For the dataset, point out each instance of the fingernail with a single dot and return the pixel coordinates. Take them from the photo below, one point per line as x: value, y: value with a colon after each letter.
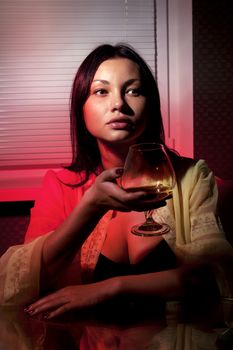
x: 119, y: 171
x: 27, y: 309
x: 31, y: 312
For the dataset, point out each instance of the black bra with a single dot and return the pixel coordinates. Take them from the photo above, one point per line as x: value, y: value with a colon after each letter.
x: 160, y: 258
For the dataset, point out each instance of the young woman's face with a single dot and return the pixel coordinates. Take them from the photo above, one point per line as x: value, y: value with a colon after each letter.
x: 115, y: 111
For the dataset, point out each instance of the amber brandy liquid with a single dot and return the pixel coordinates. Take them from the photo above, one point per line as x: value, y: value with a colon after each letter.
x: 162, y: 192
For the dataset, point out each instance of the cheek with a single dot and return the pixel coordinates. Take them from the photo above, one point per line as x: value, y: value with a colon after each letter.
x: 142, y: 113
x: 90, y: 115
x: 143, y: 119
x: 140, y: 107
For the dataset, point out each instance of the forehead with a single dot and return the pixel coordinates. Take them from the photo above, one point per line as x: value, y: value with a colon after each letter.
x: 117, y: 68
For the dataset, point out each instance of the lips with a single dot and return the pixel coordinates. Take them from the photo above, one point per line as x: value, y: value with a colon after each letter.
x: 121, y: 123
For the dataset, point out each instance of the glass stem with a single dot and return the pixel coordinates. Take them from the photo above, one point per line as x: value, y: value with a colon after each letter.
x: 148, y: 216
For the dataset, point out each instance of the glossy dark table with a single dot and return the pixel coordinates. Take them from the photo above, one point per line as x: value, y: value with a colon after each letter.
x: 172, y: 326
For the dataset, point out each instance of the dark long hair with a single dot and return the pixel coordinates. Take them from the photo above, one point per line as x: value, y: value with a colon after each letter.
x: 86, y: 155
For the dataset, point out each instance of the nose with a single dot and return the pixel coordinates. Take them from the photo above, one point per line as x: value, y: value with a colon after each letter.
x: 117, y: 101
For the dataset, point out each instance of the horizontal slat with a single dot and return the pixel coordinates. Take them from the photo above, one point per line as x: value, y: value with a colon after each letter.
x: 4, y: 97
x: 24, y: 139
x: 33, y: 108
x: 36, y: 92
x: 35, y: 162
x: 35, y: 132
x: 33, y: 120
x: 19, y: 152
x: 61, y: 154
x: 35, y: 145
x: 14, y: 115
x: 28, y: 102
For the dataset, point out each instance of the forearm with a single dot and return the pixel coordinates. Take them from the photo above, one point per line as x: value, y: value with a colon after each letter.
x: 166, y: 284
x: 71, y: 234
x: 181, y: 283
x: 62, y: 245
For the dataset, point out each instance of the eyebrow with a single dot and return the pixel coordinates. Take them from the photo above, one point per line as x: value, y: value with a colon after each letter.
x: 106, y: 82
x: 101, y: 81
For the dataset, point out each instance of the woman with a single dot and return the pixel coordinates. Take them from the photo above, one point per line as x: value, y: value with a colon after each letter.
x: 80, y: 250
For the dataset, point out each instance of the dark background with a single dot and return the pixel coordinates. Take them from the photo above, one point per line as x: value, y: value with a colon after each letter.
x: 213, y: 84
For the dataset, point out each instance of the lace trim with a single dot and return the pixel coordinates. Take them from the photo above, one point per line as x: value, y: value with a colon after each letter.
x: 19, y: 275
x: 204, y: 225
x: 92, y: 246
x: 164, y: 216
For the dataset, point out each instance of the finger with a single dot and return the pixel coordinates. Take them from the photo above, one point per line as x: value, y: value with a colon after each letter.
x: 111, y: 174
x: 123, y: 200
x: 169, y: 196
x: 44, y: 300
x: 45, y: 305
x: 45, y: 308
x: 61, y: 310
x: 148, y: 205
x: 139, y: 197
x: 155, y: 205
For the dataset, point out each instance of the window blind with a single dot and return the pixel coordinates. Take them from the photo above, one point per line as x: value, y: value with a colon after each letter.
x: 42, y: 44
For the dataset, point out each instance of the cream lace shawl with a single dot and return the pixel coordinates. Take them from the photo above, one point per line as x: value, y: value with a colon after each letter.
x: 195, y: 234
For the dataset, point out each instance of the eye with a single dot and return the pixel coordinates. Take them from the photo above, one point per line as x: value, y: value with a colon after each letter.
x: 100, y: 92
x: 134, y: 91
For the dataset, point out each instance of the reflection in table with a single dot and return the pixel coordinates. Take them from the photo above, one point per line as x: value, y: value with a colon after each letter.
x: 167, y: 327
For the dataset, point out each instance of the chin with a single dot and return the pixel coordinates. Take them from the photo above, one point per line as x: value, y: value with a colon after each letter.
x: 123, y: 142
x: 126, y: 138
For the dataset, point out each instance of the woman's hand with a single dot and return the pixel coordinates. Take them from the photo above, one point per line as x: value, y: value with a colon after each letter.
x: 74, y: 297
x: 105, y: 193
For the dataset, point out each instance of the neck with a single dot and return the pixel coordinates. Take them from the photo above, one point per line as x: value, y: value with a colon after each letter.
x: 113, y: 156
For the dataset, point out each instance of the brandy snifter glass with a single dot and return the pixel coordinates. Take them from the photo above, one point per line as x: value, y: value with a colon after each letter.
x: 149, y: 168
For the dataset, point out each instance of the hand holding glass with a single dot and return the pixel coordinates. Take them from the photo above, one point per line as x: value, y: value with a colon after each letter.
x: 148, y: 168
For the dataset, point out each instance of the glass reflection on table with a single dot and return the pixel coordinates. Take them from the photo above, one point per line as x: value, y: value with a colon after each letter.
x: 164, y: 328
